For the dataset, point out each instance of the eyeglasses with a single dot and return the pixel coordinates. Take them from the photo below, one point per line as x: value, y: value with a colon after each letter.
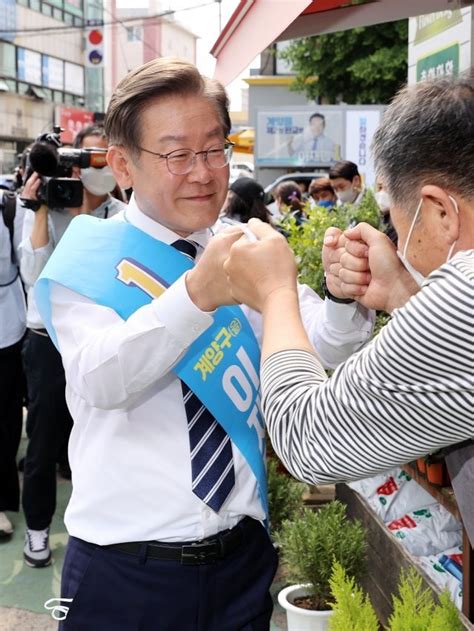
x: 182, y: 161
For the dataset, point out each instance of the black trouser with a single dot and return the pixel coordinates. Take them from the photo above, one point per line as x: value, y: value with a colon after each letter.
x: 114, y: 591
x: 49, y: 425
x: 12, y: 387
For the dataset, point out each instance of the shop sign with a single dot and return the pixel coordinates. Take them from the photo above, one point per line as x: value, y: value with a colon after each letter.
x: 72, y: 120
x: 442, y: 63
x: 432, y: 24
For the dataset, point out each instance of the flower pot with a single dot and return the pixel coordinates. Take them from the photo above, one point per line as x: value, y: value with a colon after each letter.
x: 421, y: 465
x: 435, y: 473
x: 299, y: 619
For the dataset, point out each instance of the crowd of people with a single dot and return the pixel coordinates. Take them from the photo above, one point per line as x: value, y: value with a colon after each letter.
x: 133, y: 334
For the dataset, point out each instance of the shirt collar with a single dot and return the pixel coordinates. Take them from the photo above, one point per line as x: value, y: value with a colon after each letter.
x: 137, y: 218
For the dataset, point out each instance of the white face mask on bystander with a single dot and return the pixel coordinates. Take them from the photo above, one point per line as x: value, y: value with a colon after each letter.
x: 416, y: 275
x: 98, y: 181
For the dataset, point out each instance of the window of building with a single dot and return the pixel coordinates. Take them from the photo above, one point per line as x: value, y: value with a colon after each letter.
x: 7, y: 60
x: 134, y: 33
x: 47, y: 9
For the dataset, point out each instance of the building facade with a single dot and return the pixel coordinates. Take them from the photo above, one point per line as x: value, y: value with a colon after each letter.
x: 61, y: 59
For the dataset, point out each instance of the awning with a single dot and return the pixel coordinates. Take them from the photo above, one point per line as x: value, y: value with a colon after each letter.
x: 256, y: 24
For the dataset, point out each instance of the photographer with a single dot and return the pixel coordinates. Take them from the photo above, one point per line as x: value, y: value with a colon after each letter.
x: 49, y: 421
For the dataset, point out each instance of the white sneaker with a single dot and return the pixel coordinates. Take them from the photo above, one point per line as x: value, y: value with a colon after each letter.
x: 6, y: 527
x: 36, y: 551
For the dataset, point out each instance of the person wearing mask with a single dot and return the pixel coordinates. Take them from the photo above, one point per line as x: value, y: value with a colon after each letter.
x: 163, y: 382
x: 346, y: 182
x: 244, y: 201
x: 410, y: 391
x: 12, y: 380
x: 322, y: 193
x: 49, y: 421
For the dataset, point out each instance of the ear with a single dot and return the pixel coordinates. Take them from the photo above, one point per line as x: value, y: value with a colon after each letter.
x: 121, y: 164
x: 357, y: 182
x: 443, y: 210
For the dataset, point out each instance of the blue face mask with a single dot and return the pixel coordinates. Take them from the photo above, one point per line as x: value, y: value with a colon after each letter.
x: 326, y: 203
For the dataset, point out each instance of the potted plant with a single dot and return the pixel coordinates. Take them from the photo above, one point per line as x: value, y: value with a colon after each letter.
x: 284, y: 495
x: 309, y: 545
x: 413, y: 609
x: 421, y: 465
x: 436, y: 472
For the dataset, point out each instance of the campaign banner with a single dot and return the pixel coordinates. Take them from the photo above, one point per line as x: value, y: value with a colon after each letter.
x: 311, y: 136
x: 360, y: 128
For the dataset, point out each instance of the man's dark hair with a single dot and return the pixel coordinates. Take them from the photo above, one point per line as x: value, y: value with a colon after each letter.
x: 427, y: 137
x: 318, y: 115
x: 345, y: 169
x: 90, y: 130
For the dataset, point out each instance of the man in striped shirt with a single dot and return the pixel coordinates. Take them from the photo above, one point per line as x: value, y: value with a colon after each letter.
x: 410, y: 391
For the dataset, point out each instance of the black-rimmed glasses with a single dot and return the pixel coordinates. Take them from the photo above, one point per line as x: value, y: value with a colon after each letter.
x: 182, y: 161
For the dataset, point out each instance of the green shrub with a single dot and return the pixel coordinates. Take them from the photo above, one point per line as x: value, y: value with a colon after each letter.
x: 306, y: 240
x: 284, y: 495
x: 313, y: 540
x: 353, y: 610
x: 413, y: 607
x: 413, y: 610
x: 445, y: 616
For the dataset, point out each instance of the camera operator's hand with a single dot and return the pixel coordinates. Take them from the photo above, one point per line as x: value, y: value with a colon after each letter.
x: 39, y: 235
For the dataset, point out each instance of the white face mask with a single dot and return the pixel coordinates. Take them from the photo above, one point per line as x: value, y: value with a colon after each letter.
x: 348, y: 196
x: 383, y: 200
x: 98, y: 181
x: 416, y: 275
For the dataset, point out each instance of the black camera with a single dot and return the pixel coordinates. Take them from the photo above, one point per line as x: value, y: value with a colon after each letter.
x: 54, y: 163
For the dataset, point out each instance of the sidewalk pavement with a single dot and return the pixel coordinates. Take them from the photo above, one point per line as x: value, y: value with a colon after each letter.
x: 24, y: 590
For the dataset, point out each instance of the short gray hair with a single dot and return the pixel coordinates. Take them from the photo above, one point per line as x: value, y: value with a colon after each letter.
x: 162, y: 77
x: 427, y: 137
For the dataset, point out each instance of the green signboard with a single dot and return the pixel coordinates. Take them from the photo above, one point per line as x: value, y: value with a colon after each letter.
x: 442, y: 63
x: 435, y: 23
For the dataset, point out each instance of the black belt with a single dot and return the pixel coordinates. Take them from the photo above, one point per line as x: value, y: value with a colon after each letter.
x: 201, y: 552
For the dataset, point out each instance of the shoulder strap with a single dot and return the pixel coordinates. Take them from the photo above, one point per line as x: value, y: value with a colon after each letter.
x: 9, y: 211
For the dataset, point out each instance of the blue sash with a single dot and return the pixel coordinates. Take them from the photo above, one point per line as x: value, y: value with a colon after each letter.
x: 117, y: 265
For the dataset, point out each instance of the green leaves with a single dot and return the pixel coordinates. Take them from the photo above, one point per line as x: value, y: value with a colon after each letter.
x: 312, y: 541
x: 284, y: 495
x: 306, y: 240
x: 353, y: 610
x: 413, y: 608
x: 362, y: 65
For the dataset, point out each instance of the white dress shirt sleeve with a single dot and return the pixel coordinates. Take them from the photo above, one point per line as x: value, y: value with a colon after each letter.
x: 335, y: 330
x: 33, y: 261
x: 110, y: 362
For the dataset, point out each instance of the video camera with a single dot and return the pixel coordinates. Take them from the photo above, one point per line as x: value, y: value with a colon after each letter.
x: 54, y: 163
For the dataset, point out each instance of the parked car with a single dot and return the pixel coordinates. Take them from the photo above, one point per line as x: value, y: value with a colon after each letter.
x: 299, y: 177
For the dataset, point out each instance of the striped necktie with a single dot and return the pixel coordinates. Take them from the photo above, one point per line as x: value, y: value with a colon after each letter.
x: 212, y: 466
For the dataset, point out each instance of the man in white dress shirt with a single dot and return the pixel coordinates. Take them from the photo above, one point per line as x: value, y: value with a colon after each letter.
x: 146, y: 550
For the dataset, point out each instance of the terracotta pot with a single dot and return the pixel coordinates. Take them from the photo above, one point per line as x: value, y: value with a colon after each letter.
x: 421, y: 465
x: 299, y: 619
x: 435, y: 473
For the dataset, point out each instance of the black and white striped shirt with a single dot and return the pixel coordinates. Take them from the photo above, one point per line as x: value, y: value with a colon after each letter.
x: 407, y: 393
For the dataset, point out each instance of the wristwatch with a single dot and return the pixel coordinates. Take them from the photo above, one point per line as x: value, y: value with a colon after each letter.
x: 329, y: 295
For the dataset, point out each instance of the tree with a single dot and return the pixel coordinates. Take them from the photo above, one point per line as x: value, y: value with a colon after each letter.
x: 362, y: 65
